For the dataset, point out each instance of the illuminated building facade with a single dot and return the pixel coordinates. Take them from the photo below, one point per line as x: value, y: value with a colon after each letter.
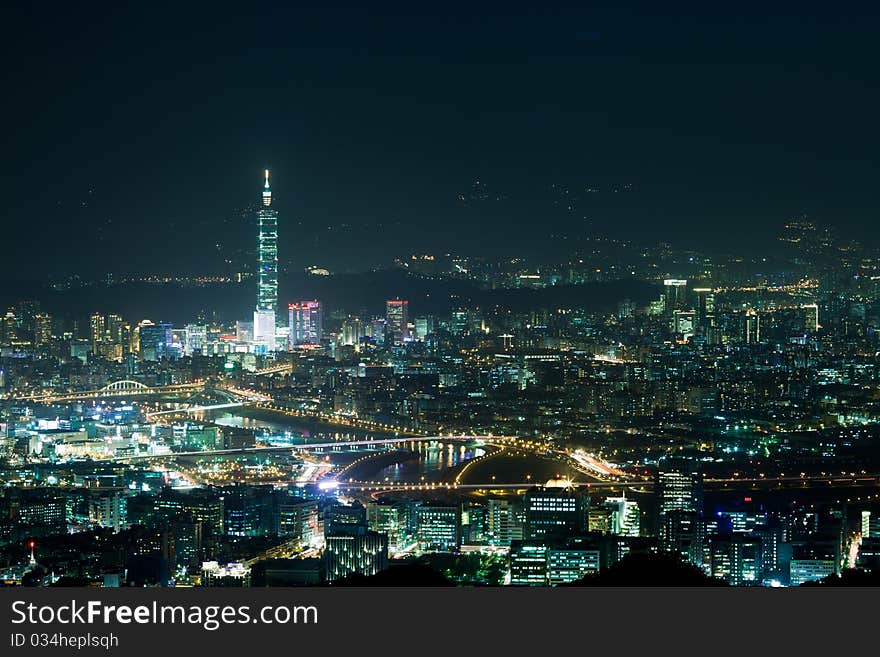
x: 306, y: 322
x: 355, y: 550
x: 267, y: 260
x: 555, y: 511
x: 438, y: 527
x: 154, y: 340
x: 396, y: 319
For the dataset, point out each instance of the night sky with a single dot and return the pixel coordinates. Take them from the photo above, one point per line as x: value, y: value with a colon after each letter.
x: 134, y: 135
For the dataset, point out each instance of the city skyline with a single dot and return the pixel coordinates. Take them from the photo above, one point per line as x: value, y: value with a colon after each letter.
x: 568, y: 297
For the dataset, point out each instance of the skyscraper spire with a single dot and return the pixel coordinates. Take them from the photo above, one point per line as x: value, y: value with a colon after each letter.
x: 267, y: 192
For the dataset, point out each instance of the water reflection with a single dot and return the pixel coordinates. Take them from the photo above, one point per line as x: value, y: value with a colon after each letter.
x: 433, y: 459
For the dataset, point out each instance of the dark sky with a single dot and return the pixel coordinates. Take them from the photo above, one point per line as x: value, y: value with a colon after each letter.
x: 132, y: 134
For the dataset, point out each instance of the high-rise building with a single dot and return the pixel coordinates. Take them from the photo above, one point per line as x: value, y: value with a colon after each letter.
x: 306, y: 322
x: 108, y: 510
x: 751, y: 327
x: 114, y: 329
x: 569, y: 562
x: 243, y: 511
x: 355, y: 550
x: 97, y: 327
x: 42, y: 329
x: 555, y: 511
x: 736, y: 558
x: 683, y: 323
x: 705, y: 304
x: 679, y: 487
x: 8, y: 328
x: 424, y: 326
x: 682, y: 533
x: 625, y: 517
x: 264, y: 330
x: 353, y: 330
x: 389, y: 519
x: 396, y: 320
x: 187, y: 535
x: 438, y: 527
x: 811, y: 317
x: 267, y: 253
x: 298, y: 519
x: 675, y: 294
x: 196, y: 338
x: 528, y: 563
x: 154, y: 340
x: 504, y: 523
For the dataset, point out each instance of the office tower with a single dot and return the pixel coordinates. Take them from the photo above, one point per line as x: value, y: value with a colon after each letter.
x: 114, y: 329
x: 528, y: 563
x: 751, y: 327
x: 438, y: 528
x: 196, y: 339
x: 625, y: 518
x: 267, y: 254
x: 39, y: 508
x: 705, y: 303
x: 424, y: 326
x: 811, y: 317
x: 97, y: 328
x: 354, y: 550
x: 42, y: 330
x: 572, y: 560
x: 8, y: 328
x: 396, y: 320
x: 474, y: 523
x: 25, y: 312
x: 736, y: 558
x: 504, y: 523
x: 458, y: 322
x: 244, y: 332
x: 187, y: 541
x: 341, y: 516
x: 264, y: 331
x: 243, y: 511
x: 108, y: 510
x: 154, y: 340
x: 388, y: 519
x: 678, y: 487
x: 203, y: 505
x: 553, y: 512
x: 811, y: 562
x: 675, y: 293
x: 306, y: 322
x: 683, y: 323
x: 870, y: 524
x: 352, y: 331
x: 298, y: 519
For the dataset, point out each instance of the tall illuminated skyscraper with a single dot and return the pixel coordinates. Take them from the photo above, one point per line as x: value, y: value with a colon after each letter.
x: 267, y: 277
x: 397, y: 318
x: 267, y: 252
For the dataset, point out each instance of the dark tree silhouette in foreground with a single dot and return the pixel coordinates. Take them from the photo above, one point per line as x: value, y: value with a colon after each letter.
x: 849, y: 577
x: 647, y: 569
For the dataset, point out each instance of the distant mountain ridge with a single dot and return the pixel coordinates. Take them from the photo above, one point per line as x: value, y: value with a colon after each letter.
x: 355, y: 293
